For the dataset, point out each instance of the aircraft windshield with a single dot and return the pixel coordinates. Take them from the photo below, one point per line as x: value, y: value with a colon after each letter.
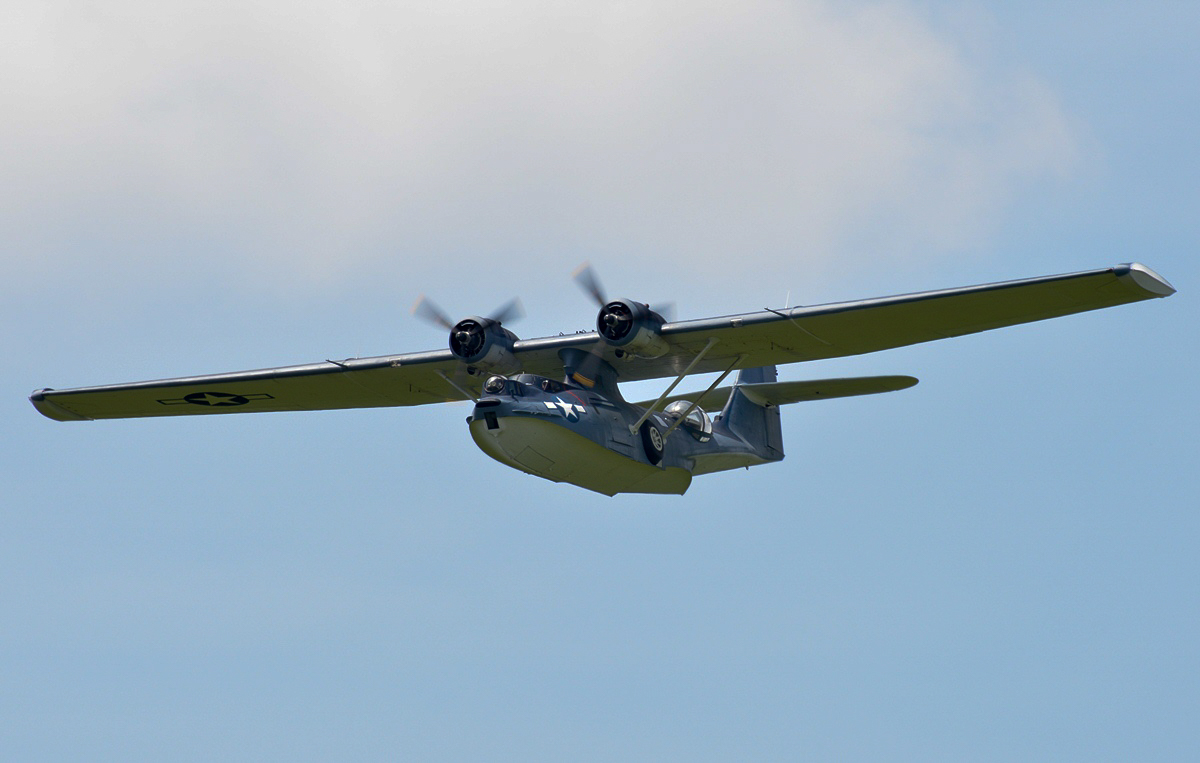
x: 542, y: 383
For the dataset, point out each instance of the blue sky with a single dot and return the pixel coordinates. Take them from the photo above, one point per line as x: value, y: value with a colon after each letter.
x: 996, y: 564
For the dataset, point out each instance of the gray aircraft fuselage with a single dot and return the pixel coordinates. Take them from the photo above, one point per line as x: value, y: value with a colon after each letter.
x: 565, y: 432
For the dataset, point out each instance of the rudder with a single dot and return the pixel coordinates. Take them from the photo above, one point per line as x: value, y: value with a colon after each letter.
x: 758, y: 425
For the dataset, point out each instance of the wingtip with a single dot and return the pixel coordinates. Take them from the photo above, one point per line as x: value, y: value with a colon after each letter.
x: 1145, y: 279
x: 52, y: 410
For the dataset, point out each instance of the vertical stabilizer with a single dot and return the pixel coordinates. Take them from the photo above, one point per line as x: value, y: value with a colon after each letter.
x: 761, y: 375
x: 758, y: 424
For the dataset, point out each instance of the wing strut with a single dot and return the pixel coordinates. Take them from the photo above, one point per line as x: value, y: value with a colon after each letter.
x: 454, y: 384
x: 700, y: 356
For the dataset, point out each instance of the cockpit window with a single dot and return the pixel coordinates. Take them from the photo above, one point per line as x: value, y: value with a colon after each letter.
x: 539, y: 383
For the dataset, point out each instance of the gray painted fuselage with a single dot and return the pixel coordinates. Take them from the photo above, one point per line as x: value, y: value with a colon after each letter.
x: 565, y: 432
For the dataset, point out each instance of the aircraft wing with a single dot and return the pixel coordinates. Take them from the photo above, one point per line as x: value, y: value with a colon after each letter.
x: 770, y: 337
x: 394, y: 380
x: 796, y: 334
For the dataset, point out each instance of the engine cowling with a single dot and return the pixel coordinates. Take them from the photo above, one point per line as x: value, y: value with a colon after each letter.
x: 483, y: 344
x: 632, y: 327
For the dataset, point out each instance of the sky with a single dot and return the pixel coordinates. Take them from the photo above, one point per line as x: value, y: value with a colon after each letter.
x: 996, y: 564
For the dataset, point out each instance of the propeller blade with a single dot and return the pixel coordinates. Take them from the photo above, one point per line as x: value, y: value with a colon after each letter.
x: 585, y: 276
x: 666, y: 310
x: 589, y: 367
x: 512, y: 311
x: 425, y: 309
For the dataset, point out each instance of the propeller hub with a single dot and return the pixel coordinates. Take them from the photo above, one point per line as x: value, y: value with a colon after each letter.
x: 615, y: 321
x: 467, y: 338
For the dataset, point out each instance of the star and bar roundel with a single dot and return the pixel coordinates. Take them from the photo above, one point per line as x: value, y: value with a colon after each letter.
x: 216, y: 399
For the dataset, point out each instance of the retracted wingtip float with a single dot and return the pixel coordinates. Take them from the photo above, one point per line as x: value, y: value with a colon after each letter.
x: 581, y: 430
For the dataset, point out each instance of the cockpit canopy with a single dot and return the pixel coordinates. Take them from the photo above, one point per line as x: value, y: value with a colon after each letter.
x: 697, y: 422
x: 541, y: 383
x: 516, y: 386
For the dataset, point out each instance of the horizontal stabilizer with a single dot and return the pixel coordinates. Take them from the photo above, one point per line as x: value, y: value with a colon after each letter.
x: 782, y: 393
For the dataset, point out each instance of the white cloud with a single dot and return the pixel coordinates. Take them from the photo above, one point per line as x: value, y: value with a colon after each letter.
x: 325, y: 140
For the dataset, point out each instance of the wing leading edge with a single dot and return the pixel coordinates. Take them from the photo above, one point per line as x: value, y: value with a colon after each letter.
x: 770, y: 337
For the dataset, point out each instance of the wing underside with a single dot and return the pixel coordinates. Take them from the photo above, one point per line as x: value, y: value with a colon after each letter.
x: 793, y: 335
x: 770, y: 337
x: 365, y: 383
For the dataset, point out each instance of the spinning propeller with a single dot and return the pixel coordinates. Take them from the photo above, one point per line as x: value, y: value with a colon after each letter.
x: 631, y: 328
x: 481, y: 343
x: 427, y: 310
x: 585, y: 276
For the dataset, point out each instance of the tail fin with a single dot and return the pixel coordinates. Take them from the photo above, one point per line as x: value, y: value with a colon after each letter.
x: 762, y: 375
x: 758, y: 425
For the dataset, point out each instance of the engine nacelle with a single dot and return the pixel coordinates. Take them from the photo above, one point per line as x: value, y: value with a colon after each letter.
x: 633, y: 328
x: 484, y: 344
